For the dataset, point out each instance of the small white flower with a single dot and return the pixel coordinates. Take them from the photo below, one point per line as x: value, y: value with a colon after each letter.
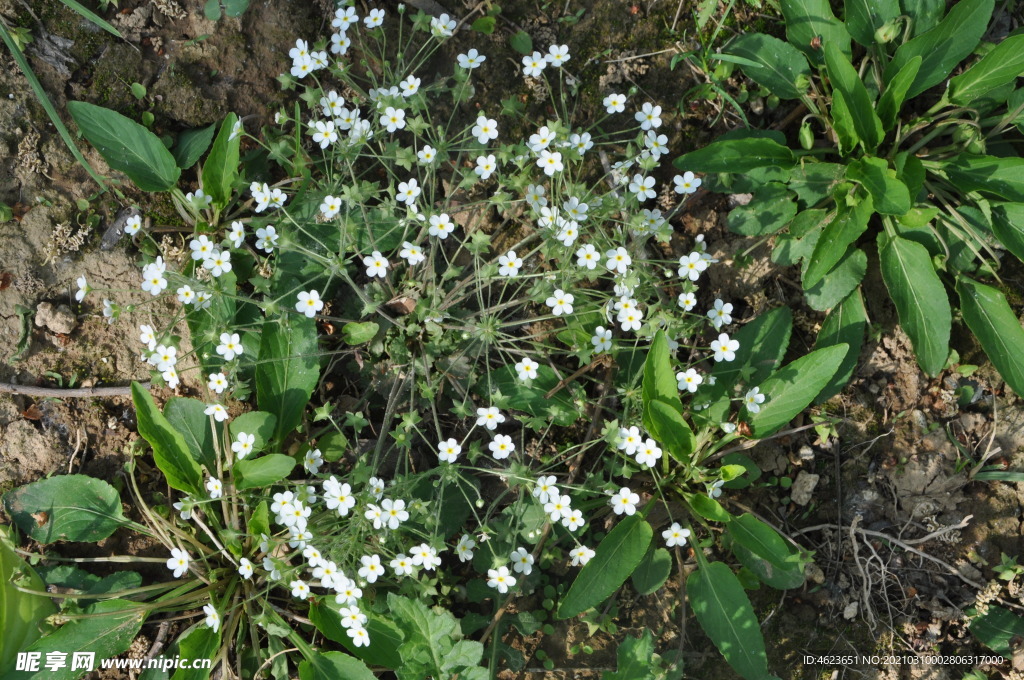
x: 687, y: 301
x: 489, y: 417
x: 230, y: 346
x: 686, y: 183
x: 624, y: 501
x: 344, y: 17
x: 643, y: 187
x: 324, y: 133
x: 675, y: 535
x: 618, y: 260
x: 212, y: 617
x: 309, y: 303
x: 178, y: 563
x: 184, y: 507
x: 574, y: 520
x: 217, y: 411
x: 266, y: 238
x: 720, y: 314
x: 560, y: 302
x: 464, y: 549
x: 545, y: 488
x: 425, y: 556
x: 218, y: 262
x: 527, y: 369
x: 588, y: 257
x: 715, y: 490
x: 557, y: 55
x: 534, y: 65
x: 648, y: 453
x: 581, y: 555
x: 471, y: 59
x: 501, y: 579
x: 408, y: 192
x: 442, y: 26
x: 243, y: 445
x: 218, y: 382
x: 132, y: 225
x: 402, y: 565
x: 689, y: 380
x: 550, y: 162
x: 330, y: 207
x: 753, y: 400
x: 376, y: 265
x: 245, y: 568
x: 393, y: 119
x: 409, y: 86
x: 485, y: 166
x: 312, y: 461
x: 374, y: 19
x: 448, y: 451
x: 426, y: 155
x: 557, y: 507
x: 441, y: 226
x: 147, y: 337
x: 724, y: 348
x: 615, y: 103
x: 412, y: 254
x: 602, y: 339
x: 510, y: 264
x: 340, y: 42
x: 299, y: 589
x: 502, y: 447
x: 522, y: 561
x: 691, y: 266
x: 649, y: 116
x: 485, y: 129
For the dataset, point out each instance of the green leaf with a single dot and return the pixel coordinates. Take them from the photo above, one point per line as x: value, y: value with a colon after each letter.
x: 842, y: 123
x: 1008, y: 225
x: 792, y: 388
x: 188, y: 417
x: 484, y: 24
x: 191, y: 145
x: 616, y: 557
x: 531, y: 397
x: 708, y: 508
x: 724, y: 612
x: 997, y: 629
x: 334, y: 665
x: 924, y: 14
x: 22, y: 615
x: 427, y: 635
x: 170, y: 451
x: 989, y: 316
x: 846, y: 83
x: 385, y: 636
x: 810, y: 19
x: 93, y: 17
x: 262, y: 471
x: 836, y: 238
x: 891, y: 101
x: 812, y: 182
x: 763, y: 343
x: 737, y: 155
x: 839, y: 282
x: 920, y: 299
x: 235, y: 8
x: 667, y: 426
x: 774, y: 561
x: 1000, y: 66
x: 199, y: 643
x: 259, y: 424
x: 890, y: 195
x: 356, y: 333
x: 66, y: 508
x: 521, y: 42
x: 220, y: 171
x: 653, y: 570
x: 771, y: 209
x: 107, y: 630
x: 659, y: 379
x: 288, y: 370
x: 845, y: 324
x: 944, y: 46
x: 777, y: 65
x: 127, y: 146
x: 864, y: 17
x: 633, y: 659
x: 1002, y: 177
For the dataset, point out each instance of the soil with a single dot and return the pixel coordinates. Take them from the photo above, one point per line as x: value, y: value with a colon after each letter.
x: 896, y: 465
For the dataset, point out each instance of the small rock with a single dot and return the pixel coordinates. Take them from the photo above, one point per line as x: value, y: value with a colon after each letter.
x: 850, y: 611
x: 736, y: 200
x: 814, y: 573
x: 55, y: 319
x: 803, y: 488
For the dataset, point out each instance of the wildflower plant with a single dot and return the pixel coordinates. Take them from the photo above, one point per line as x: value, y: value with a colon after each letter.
x: 527, y: 356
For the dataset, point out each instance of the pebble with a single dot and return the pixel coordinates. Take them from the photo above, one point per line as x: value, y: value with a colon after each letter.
x: 55, y: 319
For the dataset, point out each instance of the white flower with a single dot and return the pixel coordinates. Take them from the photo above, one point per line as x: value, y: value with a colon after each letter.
x: 615, y: 103
x: 164, y: 357
x: 425, y: 556
x: 545, y: 488
x: 217, y: 411
x: 728, y: 428
x: 411, y: 253
x: 720, y: 314
x: 340, y: 42
x: 266, y: 238
x: 440, y: 226
x: 360, y: 638
x: 501, y: 579
x: 309, y: 303
x: 338, y: 496
x: 724, y: 348
x: 218, y: 382
x: 587, y: 256
x: 643, y: 187
x: 147, y: 337
x: 648, y: 453
x: 675, y: 535
x: 324, y: 133
x: 184, y: 507
x: 618, y: 260
x: 409, y: 86
x: 753, y: 400
x: 83, y: 288
x: 630, y: 319
x: 522, y: 561
x: 485, y: 166
x: 312, y: 461
x: 691, y: 266
x: 550, y: 162
x: 330, y: 207
x: 464, y: 549
x: 426, y: 155
x: 649, y: 116
x: 534, y: 65
x: 624, y: 501
x: 376, y: 265
x: 215, y: 487
x: 715, y: 490
x: 376, y: 485
x: 302, y: 67
x: 502, y: 446
x: 581, y: 142
x: 199, y: 199
x: 471, y: 59
x: 408, y: 192
x: 581, y: 555
x: 686, y: 183
x: 602, y: 339
x: 393, y: 119
x: 510, y: 264
x: 402, y: 566
x: 243, y: 445
x: 557, y: 55
x: 394, y: 512
x: 132, y: 225
x: 299, y: 589
x: 656, y: 144
x: 212, y: 617
x: 574, y: 520
x: 541, y: 139
x: 448, y: 451
x: 332, y: 104
x: 171, y: 377
x: 374, y: 19
x: 218, y: 262
x: 442, y: 26
x: 178, y: 562
x: 687, y: 301
x: 485, y: 129
x: 245, y: 568
x: 230, y: 346
x: 489, y: 417
x: 557, y: 506
x: 689, y: 380
x: 527, y: 369
x: 300, y: 50
x: 153, y: 281
x: 535, y: 196
x: 560, y: 303
x: 344, y: 17
x: 568, y: 233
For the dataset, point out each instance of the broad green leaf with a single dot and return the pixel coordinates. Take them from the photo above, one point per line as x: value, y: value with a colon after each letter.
x: 107, y: 629
x: 771, y: 209
x: 864, y: 17
x: 799, y: 240
x: 708, y: 508
x: 724, y: 612
x: 890, y: 196
x: 484, y: 24
x: 836, y: 238
x: 616, y: 557
x: 464, y: 654
x: 910, y: 171
x: 428, y: 635
x: 532, y: 397
x: 170, y: 451
x: 776, y: 64
x: 188, y: 417
x: 199, y: 643
x: 920, y: 299
x: 235, y: 8
x: 220, y: 171
x: 792, y: 388
x: 737, y: 155
x: 997, y: 629
x: 840, y: 282
x: 846, y: 83
x: 998, y: 329
x: 66, y: 508
x: 22, y: 615
x: 633, y: 659
x: 842, y: 123
x: 333, y: 666
x: 1000, y: 66
x: 778, y: 563
x: 891, y: 101
x: 667, y: 426
x: 845, y: 324
x: 262, y: 471
x: 288, y: 370
x: 356, y: 333
x: 751, y: 471
x: 1002, y: 177
x: 72, y: 578
x: 127, y: 146
x: 924, y: 14
x: 191, y: 145
x: 944, y: 46
x: 259, y: 424
x: 521, y: 42
x: 653, y: 570
x: 659, y: 379
x: 812, y: 181
x: 385, y: 636
x: 1008, y: 225
x: 807, y: 20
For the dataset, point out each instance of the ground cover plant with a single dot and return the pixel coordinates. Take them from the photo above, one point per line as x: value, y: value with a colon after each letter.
x: 527, y: 360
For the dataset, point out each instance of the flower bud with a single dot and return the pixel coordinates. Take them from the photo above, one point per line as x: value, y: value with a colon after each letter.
x: 806, y: 136
x: 887, y: 32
